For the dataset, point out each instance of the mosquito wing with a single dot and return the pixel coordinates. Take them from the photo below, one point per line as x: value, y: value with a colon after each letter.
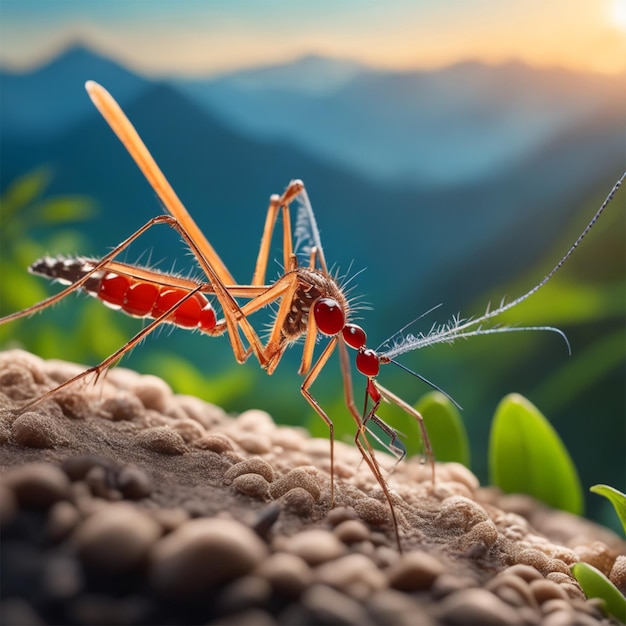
x: 306, y: 233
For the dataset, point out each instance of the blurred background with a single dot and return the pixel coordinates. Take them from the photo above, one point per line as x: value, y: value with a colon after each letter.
x: 452, y: 152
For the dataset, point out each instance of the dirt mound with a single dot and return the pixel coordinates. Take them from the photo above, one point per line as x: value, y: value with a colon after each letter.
x: 127, y: 504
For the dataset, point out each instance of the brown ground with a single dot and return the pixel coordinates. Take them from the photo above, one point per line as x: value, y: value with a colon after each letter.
x: 126, y: 504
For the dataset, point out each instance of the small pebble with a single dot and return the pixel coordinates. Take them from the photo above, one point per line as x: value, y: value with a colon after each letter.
x: 255, y: 443
x: 17, y: 381
x: 38, y: 484
x: 328, y: 606
x: 618, y: 573
x: 414, y: 571
x: 544, y: 590
x: 253, y: 486
x: 256, y: 420
x: 598, y: 555
x: 38, y: 430
x: 251, y: 466
x: 247, y: 592
x: 352, y: 531
x: 448, y: 583
x: 117, y: 538
x: 134, y: 483
x: 476, y: 606
x: 77, y: 467
x: 215, y: 442
x: 565, y: 617
x: 298, y: 477
x: 153, y: 392
x: 299, y: 501
x: 162, y: 439
x: 351, y: 572
x: 206, y: 414
x: 459, y: 514
x: 512, y: 589
x: 203, y: 553
x: 288, y: 574
x: 373, y: 512
x: 188, y: 429
x: 392, y: 607
x: 525, y: 572
x: 315, y: 546
x: 63, y: 518
x: 123, y: 407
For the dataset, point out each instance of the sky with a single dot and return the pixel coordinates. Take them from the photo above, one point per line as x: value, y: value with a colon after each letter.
x: 208, y: 37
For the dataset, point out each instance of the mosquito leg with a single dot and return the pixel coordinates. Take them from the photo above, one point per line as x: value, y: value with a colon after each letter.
x: 277, y: 203
x: 392, y: 397
x: 304, y: 389
x: 40, y: 306
x: 367, y: 452
x: 101, y: 367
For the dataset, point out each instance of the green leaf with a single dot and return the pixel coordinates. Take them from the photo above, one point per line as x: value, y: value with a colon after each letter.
x: 65, y: 209
x: 527, y: 456
x: 617, y: 499
x: 445, y: 428
x: 24, y: 191
x: 596, y: 585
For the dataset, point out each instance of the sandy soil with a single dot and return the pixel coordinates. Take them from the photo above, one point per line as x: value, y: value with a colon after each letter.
x: 126, y: 504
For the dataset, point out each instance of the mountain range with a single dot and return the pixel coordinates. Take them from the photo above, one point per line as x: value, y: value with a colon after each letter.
x: 444, y: 186
x: 530, y: 146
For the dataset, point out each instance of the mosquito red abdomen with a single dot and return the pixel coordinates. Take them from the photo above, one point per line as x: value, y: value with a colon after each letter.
x: 329, y: 316
x: 207, y: 319
x: 166, y: 299
x: 140, y: 298
x: 187, y: 315
x: 368, y: 363
x: 194, y: 312
x: 113, y: 290
x: 354, y: 336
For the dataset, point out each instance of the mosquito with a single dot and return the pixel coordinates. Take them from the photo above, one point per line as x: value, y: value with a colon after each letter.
x: 310, y: 302
x: 309, y: 299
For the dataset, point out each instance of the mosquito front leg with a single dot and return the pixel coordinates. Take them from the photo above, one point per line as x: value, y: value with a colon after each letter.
x: 376, y: 392
x: 367, y: 452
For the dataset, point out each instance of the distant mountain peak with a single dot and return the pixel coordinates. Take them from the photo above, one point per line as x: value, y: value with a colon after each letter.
x: 309, y: 74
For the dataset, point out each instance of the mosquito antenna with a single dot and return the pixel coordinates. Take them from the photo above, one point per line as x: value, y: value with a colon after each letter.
x: 458, y: 328
x: 416, y: 319
x: 428, y: 382
x: 564, y: 258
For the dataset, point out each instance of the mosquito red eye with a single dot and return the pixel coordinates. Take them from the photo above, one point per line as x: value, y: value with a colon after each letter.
x: 367, y: 362
x: 329, y: 316
x: 354, y: 336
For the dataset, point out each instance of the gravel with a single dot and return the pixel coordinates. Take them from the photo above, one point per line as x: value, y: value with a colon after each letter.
x: 126, y: 504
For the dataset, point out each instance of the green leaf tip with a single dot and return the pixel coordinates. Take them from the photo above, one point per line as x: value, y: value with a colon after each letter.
x: 616, y: 498
x: 445, y: 428
x: 527, y: 456
x: 596, y: 585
